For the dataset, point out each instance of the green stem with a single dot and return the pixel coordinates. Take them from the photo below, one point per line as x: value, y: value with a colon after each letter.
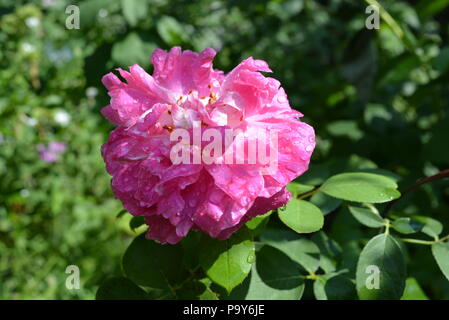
x: 417, y: 241
x: 395, y: 27
x: 387, y: 226
x: 312, y: 276
x: 388, y: 19
x: 425, y: 242
x: 308, y: 193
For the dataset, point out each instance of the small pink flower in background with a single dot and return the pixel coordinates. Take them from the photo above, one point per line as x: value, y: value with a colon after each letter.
x: 51, y: 153
x: 184, y: 91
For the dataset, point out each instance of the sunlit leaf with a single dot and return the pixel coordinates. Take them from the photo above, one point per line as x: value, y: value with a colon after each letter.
x: 367, y: 217
x: 413, y: 291
x: 302, y: 216
x: 275, y: 276
x: 134, y: 10
x: 361, y: 187
x: 228, y: 262
x: 440, y: 251
x: 407, y: 225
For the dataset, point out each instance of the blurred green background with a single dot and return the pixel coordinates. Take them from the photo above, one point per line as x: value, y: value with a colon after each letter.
x: 377, y: 99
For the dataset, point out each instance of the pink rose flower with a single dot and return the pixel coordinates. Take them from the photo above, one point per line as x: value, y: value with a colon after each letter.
x: 185, y: 92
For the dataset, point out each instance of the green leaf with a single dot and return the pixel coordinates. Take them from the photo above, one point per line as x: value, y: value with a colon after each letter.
x: 381, y: 270
x: 407, y: 225
x: 121, y: 213
x: 316, y: 174
x: 334, y: 286
x: 136, y: 222
x: 298, y: 188
x: 350, y: 253
x: 427, y: 8
x: 318, y: 288
x: 413, y: 291
x: 367, y: 217
x: 89, y: 10
x: 275, y: 277
x: 207, y: 294
x: 302, y: 216
x: 162, y: 294
x: 197, y: 289
x: 441, y: 62
x: 132, y: 50
x: 325, y: 203
x: 345, y: 128
x: 404, y: 67
x: 361, y: 187
x: 171, y: 31
x: 432, y: 227
x: 228, y: 262
x: 190, y: 245
x: 382, y: 172
x: 120, y: 288
x: 303, y: 251
x: 330, y: 251
x: 440, y: 251
x: 134, y: 10
x: 148, y: 263
x: 257, y: 224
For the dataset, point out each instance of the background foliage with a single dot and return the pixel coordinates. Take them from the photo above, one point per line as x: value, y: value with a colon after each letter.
x: 377, y: 99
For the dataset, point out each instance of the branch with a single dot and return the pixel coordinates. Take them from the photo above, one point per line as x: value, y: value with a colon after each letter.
x: 440, y: 175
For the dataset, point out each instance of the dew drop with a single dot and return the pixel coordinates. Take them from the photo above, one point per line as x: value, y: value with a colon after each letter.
x: 282, y: 99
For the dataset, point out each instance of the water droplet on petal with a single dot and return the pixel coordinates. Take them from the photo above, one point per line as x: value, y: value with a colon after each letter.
x: 282, y: 99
